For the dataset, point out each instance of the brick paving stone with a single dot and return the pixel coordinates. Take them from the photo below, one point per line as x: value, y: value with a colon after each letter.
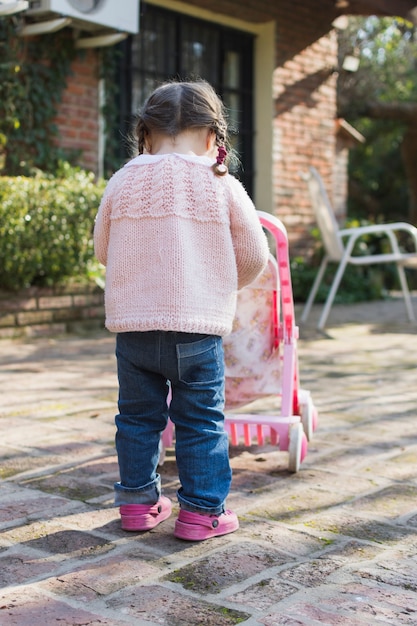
x: 291, y: 510
x: 401, y: 466
x: 51, y: 542
x: 337, y: 604
x: 227, y: 567
x: 27, y: 504
x: 104, y: 519
x: 101, y: 578
x: 311, y: 615
x: 19, y: 567
x: 405, y: 601
x: 390, y: 572
x: 26, y: 607
x: 282, y: 620
x: 354, y: 551
x: 263, y: 594
x: 165, y: 606
x: 313, y: 573
x: 384, y: 533
x: 367, y: 528
x: 372, y: 609
x: 388, y: 503
x: 286, y: 540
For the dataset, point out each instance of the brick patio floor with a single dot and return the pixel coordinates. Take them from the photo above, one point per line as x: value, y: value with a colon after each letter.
x: 335, y: 544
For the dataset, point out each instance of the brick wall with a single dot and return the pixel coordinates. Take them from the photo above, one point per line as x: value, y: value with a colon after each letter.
x: 304, y: 87
x: 78, y: 118
x: 42, y: 311
x: 305, y: 107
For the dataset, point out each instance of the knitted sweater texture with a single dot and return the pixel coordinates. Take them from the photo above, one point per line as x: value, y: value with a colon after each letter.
x: 177, y: 242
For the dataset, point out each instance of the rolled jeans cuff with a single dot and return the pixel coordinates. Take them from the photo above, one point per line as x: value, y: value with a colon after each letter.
x: 147, y: 494
x: 195, y: 508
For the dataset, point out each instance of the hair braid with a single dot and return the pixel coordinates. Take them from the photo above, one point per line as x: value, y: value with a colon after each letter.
x: 141, y: 134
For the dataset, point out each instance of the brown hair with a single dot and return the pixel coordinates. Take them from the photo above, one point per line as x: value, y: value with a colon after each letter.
x: 178, y: 106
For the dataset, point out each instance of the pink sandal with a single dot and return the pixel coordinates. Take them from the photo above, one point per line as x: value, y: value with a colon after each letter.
x: 145, y: 516
x: 197, y: 527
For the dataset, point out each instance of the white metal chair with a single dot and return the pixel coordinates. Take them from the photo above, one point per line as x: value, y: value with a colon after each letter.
x: 339, y: 248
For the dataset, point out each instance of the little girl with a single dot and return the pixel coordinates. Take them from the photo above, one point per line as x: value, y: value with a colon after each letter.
x: 178, y: 236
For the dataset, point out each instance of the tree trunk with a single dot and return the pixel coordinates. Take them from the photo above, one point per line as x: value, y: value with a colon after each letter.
x: 409, y: 156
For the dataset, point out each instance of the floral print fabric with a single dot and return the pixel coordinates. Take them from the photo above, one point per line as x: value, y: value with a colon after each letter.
x: 252, y: 355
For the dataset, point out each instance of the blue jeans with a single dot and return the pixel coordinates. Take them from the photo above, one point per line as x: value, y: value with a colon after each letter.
x: 193, y: 366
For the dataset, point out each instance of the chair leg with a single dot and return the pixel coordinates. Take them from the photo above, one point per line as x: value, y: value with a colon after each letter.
x: 314, y: 289
x: 332, y: 293
x: 406, y: 293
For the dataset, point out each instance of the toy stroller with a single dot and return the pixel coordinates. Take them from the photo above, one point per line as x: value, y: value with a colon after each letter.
x: 261, y: 360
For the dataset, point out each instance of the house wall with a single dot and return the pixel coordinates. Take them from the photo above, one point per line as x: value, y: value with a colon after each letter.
x: 78, y: 118
x: 295, y: 100
x: 304, y: 132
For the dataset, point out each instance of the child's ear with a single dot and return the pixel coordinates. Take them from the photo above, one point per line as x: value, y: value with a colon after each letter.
x: 210, y: 141
x: 211, y: 144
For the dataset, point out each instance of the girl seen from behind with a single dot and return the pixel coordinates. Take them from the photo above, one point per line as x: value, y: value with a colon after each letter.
x: 179, y: 236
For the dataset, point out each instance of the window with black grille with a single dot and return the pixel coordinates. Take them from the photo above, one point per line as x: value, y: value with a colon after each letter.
x: 172, y: 45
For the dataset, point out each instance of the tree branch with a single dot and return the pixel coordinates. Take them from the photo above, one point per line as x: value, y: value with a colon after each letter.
x: 399, y: 111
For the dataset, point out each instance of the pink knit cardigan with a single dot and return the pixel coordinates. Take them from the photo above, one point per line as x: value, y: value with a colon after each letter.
x: 177, y: 242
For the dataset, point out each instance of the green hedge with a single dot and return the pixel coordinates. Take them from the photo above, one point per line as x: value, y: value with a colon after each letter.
x: 46, y: 227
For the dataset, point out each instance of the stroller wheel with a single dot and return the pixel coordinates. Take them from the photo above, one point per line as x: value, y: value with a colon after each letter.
x: 308, y: 418
x: 315, y: 418
x: 297, y: 447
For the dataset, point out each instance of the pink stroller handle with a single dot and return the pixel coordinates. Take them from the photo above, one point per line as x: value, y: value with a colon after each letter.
x: 279, y: 232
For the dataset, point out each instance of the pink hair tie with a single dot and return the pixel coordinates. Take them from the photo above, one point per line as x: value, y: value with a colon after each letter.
x: 219, y: 166
x: 221, y: 155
